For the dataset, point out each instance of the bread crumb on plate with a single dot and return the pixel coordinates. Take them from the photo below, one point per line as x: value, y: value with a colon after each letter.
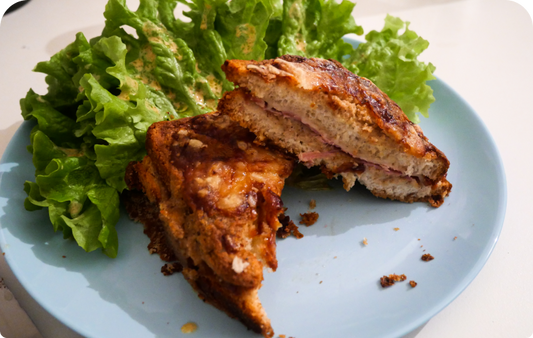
x: 427, y: 257
x: 288, y: 228
x: 391, y: 279
x: 169, y: 268
x: 189, y: 327
x: 309, y: 218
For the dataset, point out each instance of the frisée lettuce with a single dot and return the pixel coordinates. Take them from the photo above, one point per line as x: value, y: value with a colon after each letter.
x: 149, y: 66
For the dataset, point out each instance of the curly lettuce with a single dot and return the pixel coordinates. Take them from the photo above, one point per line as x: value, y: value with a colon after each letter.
x: 389, y: 59
x: 315, y: 28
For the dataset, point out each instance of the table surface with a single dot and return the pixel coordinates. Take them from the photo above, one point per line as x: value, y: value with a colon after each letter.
x: 481, y: 48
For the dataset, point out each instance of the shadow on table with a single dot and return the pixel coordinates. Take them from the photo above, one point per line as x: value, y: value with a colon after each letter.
x: 415, y: 332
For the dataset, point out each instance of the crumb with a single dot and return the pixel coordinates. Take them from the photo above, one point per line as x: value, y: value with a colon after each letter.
x: 143, y: 302
x: 309, y: 218
x: 421, y: 246
x: 320, y: 282
x: 427, y: 257
x: 396, y: 229
x: 64, y: 256
x: 419, y: 239
x: 391, y: 279
x: 397, y: 278
x: 335, y: 257
x: 287, y: 228
x: 3, y: 253
x: 282, y: 336
x: 312, y: 204
x: 190, y: 327
x: 386, y: 281
x: 413, y: 283
x: 365, y: 242
x: 455, y: 238
x: 169, y: 268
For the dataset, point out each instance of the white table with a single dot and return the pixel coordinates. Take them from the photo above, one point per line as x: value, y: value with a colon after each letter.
x: 483, y: 49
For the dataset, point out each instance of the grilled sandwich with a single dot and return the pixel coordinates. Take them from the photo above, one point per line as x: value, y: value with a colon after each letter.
x: 210, y: 197
x: 325, y: 115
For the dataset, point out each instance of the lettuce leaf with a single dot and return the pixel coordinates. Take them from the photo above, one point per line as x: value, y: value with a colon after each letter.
x: 389, y: 59
x: 315, y: 28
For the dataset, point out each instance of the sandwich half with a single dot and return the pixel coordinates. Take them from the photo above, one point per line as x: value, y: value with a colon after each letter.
x: 210, y: 197
x: 325, y: 115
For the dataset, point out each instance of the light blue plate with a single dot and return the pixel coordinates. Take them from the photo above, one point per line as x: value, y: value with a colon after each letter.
x: 327, y: 283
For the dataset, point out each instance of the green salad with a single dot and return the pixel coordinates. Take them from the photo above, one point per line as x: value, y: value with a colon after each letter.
x: 104, y: 93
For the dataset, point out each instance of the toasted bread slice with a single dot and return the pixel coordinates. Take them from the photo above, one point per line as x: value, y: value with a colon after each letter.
x: 327, y: 116
x: 215, y: 196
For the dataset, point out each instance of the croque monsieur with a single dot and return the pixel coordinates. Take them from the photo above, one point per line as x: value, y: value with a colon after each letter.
x: 329, y: 117
x: 211, y: 197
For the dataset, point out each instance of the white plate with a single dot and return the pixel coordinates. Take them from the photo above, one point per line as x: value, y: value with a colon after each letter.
x: 327, y: 283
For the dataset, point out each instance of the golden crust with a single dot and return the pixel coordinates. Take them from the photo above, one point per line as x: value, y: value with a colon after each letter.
x: 238, y: 302
x: 341, y: 86
x: 217, y: 195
